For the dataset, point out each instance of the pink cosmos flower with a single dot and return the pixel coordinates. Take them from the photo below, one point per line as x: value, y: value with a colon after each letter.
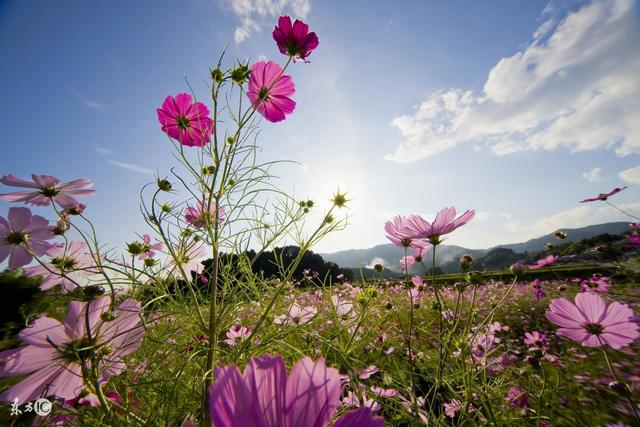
x: 384, y: 392
x: 445, y: 223
x: 544, y: 262
x: 518, y: 398
x: 538, y: 292
x: 344, y: 309
x: 269, y: 96
x: 295, y: 41
x: 197, y: 216
x: 297, y: 315
x: 56, y: 352
x: 152, y: 247
x: 236, y: 335
x: 47, y: 188
x: 596, y: 283
x: 603, y: 196
x: 68, y: 267
x: 452, y: 408
x: 360, y: 400
x: 22, y: 234
x: 396, y: 230
x: 186, y: 121
x: 368, y: 372
x: 264, y: 395
x: 535, y: 339
x: 190, y: 259
x: 591, y: 323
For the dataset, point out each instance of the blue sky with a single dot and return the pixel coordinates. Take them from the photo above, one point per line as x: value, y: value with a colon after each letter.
x: 514, y: 109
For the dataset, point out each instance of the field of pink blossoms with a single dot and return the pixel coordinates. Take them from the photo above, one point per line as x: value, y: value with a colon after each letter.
x: 148, y: 335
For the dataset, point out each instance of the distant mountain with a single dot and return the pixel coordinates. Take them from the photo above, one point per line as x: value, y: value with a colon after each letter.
x: 447, y: 255
x: 573, y: 235
x: 389, y: 256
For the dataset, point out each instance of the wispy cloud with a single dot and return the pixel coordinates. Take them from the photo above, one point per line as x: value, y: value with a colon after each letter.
x: 631, y: 175
x: 252, y: 13
x: 102, y: 151
x: 131, y: 167
x: 574, y: 85
x: 95, y: 105
x: 594, y: 175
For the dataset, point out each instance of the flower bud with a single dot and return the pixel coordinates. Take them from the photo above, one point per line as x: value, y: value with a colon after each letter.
x: 620, y: 388
x: 560, y: 235
x: 217, y: 75
x: 150, y: 262
x: 379, y: 268
x: 166, y: 208
x: 466, y: 262
x: 388, y: 305
x: 548, y: 246
x: 239, y: 74
x: 108, y: 316
x: 92, y: 291
x: 164, y: 185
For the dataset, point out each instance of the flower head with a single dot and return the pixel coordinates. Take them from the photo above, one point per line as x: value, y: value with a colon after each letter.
x: 445, y: 223
x: 396, y: 230
x: 297, y: 315
x: 270, y: 91
x: 201, y: 216
x: 544, y: 262
x: 596, y: 283
x: 47, y: 188
x: 68, y: 267
x: 294, y: 40
x: 452, y: 407
x: 518, y: 398
x: 264, y: 395
x: 56, y: 352
x: 22, y: 234
x: 236, y: 335
x: 535, y: 339
x: 538, y: 292
x: 604, y: 196
x: 186, y: 121
x: 189, y: 258
x: 591, y: 323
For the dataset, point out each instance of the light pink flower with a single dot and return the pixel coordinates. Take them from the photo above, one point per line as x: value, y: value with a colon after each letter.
x: 368, y: 372
x: 360, y: 400
x: 190, y: 259
x: 294, y: 40
x: 150, y: 253
x: 596, y: 283
x: 197, y: 216
x: 452, y: 408
x: 270, y: 97
x: 68, y: 267
x: 56, y: 352
x: 297, y: 315
x: 518, y: 398
x: 384, y: 392
x: 591, y: 323
x: 236, y: 335
x: 396, y: 231
x: 344, y: 309
x: 445, y: 223
x: 47, y: 188
x: 22, y: 232
x: 544, y: 262
x: 604, y: 196
x: 535, y: 339
x: 265, y: 396
x: 186, y: 121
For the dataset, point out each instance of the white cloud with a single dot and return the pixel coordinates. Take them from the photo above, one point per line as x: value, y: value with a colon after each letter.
x: 594, y: 175
x: 94, y: 105
x: 579, y: 216
x: 102, y: 151
x: 631, y: 175
x: 251, y: 13
x: 131, y: 167
x: 574, y: 85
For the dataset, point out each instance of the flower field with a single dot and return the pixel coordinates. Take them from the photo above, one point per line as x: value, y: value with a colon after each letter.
x: 178, y: 329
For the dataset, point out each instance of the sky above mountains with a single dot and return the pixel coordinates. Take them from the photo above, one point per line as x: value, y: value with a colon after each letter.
x: 515, y: 109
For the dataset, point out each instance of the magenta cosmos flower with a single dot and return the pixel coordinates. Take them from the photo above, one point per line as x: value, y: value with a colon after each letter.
x: 47, y: 188
x: 264, y: 396
x: 22, y: 234
x: 150, y: 248
x: 270, y: 91
x: 445, y: 223
x: 56, y: 352
x: 544, y: 262
x: 591, y: 323
x: 604, y: 196
x: 294, y: 40
x: 185, y: 121
x: 535, y: 339
x: 197, y: 216
x: 397, y: 231
x: 68, y: 267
